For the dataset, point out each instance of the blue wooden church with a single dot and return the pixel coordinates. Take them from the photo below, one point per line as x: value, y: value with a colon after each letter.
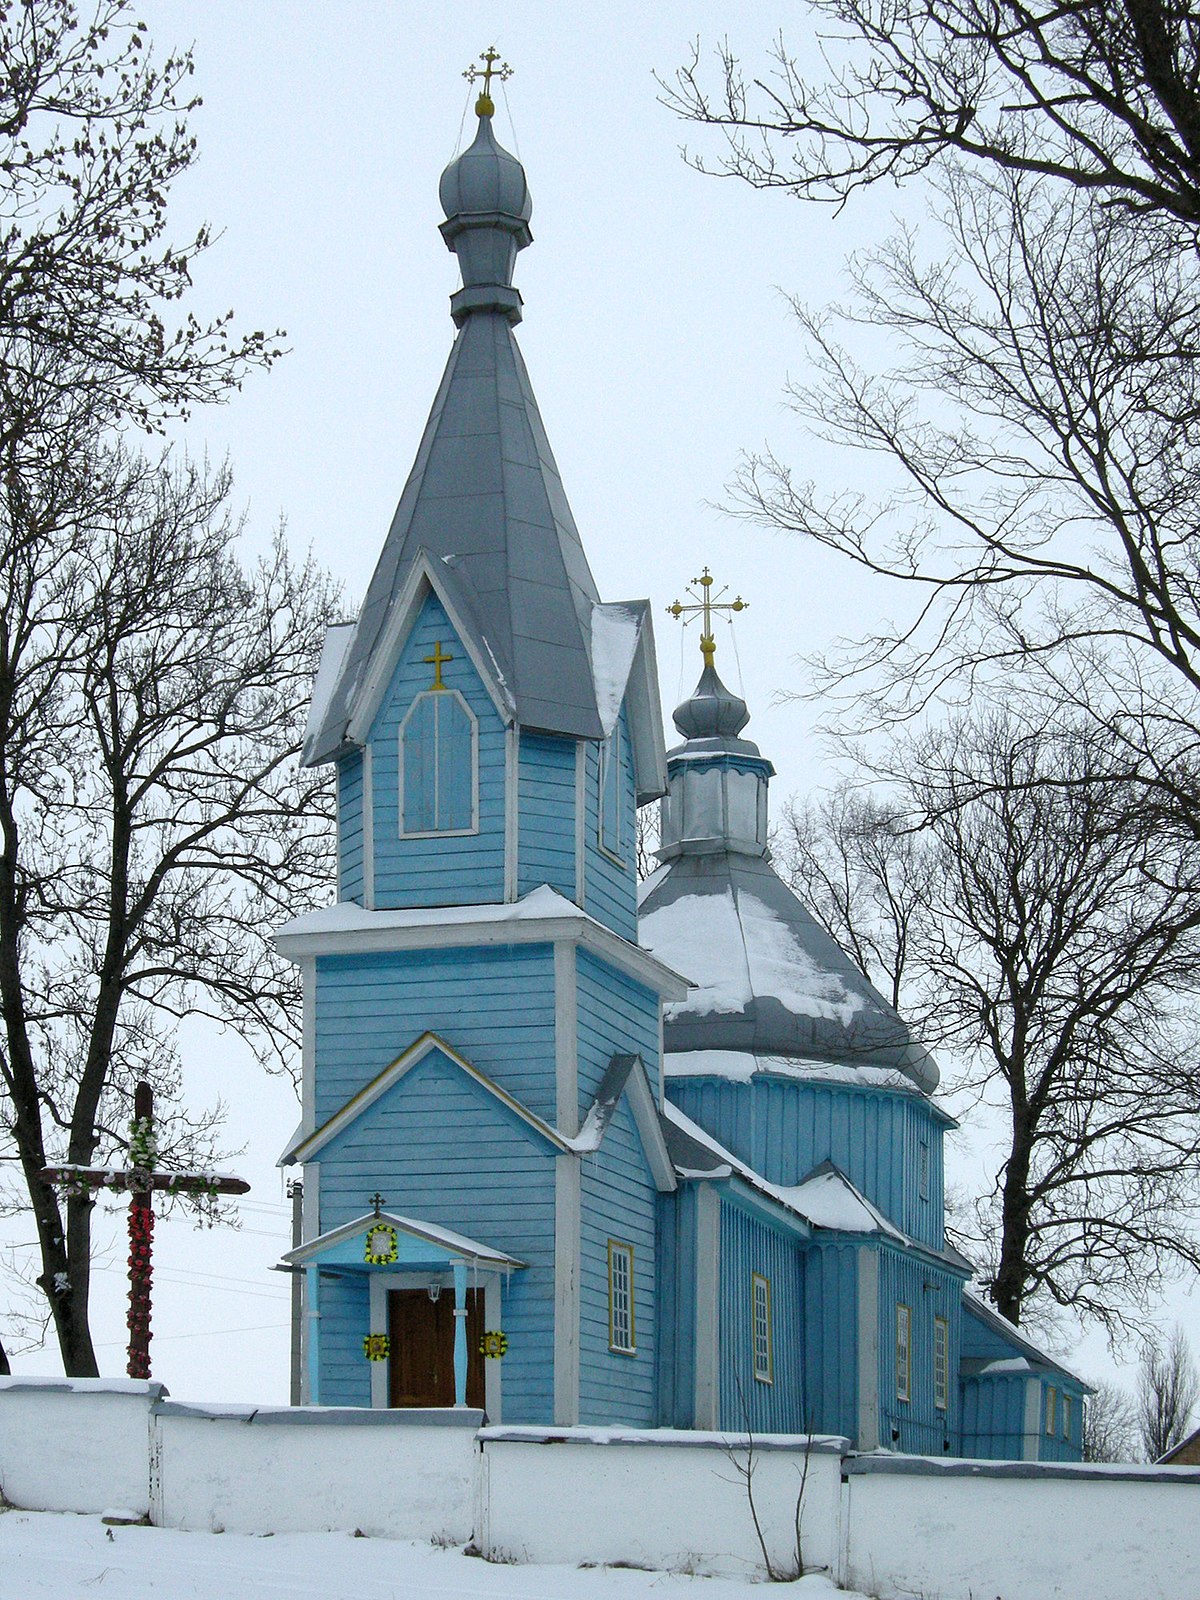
x: 565, y: 1160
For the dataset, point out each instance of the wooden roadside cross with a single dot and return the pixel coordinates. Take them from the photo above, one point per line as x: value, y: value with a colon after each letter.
x: 140, y: 1180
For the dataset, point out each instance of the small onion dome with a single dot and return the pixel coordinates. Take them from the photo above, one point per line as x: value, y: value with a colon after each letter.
x: 711, y: 711
x: 488, y: 206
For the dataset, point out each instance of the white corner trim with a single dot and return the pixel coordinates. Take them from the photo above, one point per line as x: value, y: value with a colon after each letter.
x: 1031, y: 1444
x: 868, y: 1348
x: 567, y: 1208
x: 512, y: 810
x: 377, y: 1322
x: 580, y: 821
x: 368, y: 804
x: 493, y: 1388
x: 308, y: 1043
x: 310, y: 1209
x: 707, y: 1309
x: 566, y: 1039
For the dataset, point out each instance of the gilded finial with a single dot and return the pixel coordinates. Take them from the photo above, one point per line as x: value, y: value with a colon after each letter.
x: 484, y: 106
x: 704, y: 604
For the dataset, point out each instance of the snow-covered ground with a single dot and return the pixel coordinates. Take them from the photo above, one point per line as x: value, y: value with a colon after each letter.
x: 49, y: 1556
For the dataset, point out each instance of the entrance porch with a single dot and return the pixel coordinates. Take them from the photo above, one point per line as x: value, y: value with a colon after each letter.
x: 431, y: 1305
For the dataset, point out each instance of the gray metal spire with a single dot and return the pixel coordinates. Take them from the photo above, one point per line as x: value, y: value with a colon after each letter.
x: 484, y: 496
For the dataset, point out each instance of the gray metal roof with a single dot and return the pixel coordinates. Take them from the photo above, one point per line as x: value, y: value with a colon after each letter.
x: 782, y: 986
x: 484, y: 493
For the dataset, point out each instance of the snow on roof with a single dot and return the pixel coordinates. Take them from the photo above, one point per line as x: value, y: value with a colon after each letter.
x: 333, y: 654
x: 974, y: 1302
x: 734, y: 953
x: 836, y: 1205
x: 346, y: 916
x: 826, y: 1198
x: 615, y: 630
x: 997, y: 1368
x: 739, y: 1066
x: 831, y: 1201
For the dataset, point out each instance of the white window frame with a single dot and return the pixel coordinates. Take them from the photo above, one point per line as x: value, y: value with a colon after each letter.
x: 622, y: 1325
x: 941, y: 1364
x: 440, y: 833
x: 762, y: 1344
x: 903, y: 1352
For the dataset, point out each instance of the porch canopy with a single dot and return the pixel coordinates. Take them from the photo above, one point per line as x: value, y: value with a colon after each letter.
x: 383, y: 1241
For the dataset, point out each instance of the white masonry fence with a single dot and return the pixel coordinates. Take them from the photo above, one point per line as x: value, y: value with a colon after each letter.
x: 893, y: 1526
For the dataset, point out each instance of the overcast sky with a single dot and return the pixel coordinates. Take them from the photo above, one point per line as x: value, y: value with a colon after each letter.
x: 658, y: 339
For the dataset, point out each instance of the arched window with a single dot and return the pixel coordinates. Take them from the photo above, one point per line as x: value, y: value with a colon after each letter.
x: 610, y: 794
x: 439, y: 758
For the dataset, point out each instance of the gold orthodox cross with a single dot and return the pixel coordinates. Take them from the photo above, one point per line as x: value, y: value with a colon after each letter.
x: 484, y: 106
x: 436, y: 661
x: 704, y: 604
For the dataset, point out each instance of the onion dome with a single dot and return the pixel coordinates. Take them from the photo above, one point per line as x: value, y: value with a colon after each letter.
x: 772, y: 988
x: 488, y: 206
x: 711, y: 711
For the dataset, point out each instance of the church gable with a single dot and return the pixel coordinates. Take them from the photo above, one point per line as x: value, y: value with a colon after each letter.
x: 435, y: 761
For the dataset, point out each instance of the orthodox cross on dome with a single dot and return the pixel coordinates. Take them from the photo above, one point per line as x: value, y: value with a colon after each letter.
x: 703, y: 604
x: 484, y: 106
x: 140, y: 1180
x: 437, y: 660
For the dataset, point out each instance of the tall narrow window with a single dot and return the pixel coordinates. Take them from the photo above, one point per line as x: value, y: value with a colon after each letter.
x: 923, y: 1169
x: 1051, y: 1397
x: 610, y: 793
x: 760, y: 1305
x: 439, y: 760
x: 621, y: 1330
x: 1066, y: 1416
x: 903, y: 1353
x: 941, y: 1363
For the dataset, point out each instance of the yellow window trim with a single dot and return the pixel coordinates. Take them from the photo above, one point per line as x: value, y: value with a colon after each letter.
x: 630, y: 1349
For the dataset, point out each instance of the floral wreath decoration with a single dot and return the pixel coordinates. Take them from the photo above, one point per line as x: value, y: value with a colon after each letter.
x: 493, y: 1345
x: 376, y: 1346
x: 381, y: 1248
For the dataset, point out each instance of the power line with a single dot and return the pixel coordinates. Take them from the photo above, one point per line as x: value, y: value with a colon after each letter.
x: 206, y: 1333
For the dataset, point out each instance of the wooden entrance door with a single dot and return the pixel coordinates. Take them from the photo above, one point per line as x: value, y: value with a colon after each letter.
x: 421, y: 1338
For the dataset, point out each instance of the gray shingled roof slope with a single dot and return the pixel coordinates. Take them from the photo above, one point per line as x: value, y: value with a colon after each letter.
x: 485, y: 492
x: 760, y: 1022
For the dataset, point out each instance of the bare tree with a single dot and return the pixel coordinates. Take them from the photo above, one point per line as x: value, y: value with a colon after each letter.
x: 647, y: 836
x: 1110, y: 1424
x: 1036, y: 438
x: 1167, y: 1396
x: 152, y: 819
x: 1101, y: 97
x: 1046, y: 936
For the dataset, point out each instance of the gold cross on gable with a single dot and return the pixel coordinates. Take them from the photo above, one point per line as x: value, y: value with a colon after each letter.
x: 489, y: 57
x: 437, y: 660
x: 704, y: 604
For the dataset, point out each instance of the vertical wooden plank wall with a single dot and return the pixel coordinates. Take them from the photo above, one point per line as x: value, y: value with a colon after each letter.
x: 749, y: 1245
